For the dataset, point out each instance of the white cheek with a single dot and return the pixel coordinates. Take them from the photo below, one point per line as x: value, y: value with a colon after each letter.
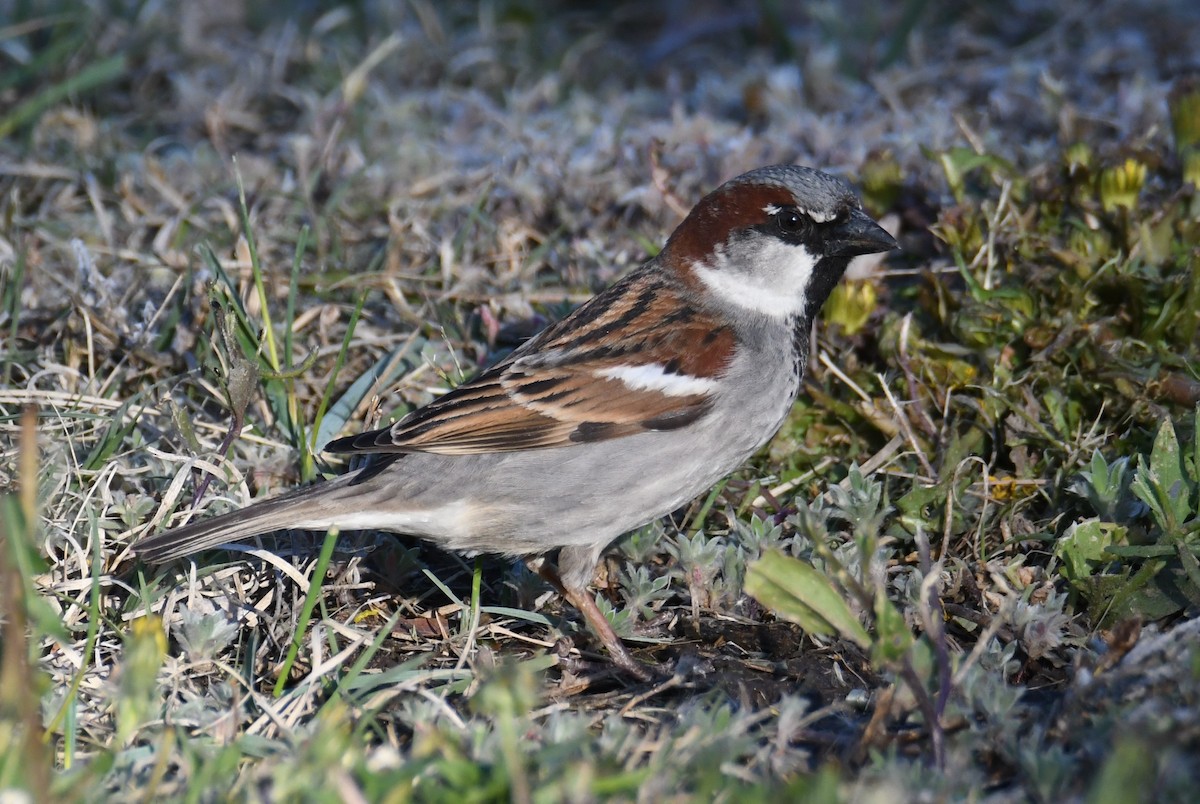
x: 767, y: 275
x: 653, y: 377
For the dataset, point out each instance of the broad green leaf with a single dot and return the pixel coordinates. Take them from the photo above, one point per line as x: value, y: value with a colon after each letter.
x: 1127, y: 774
x: 1141, y: 550
x: 1167, y: 591
x: 957, y: 163
x: 1195, y: 467
x: 796, y: 591
x: 1191, y: 567
x: 894, y: 636
x: 1158, y: 589
x: 922, y: 506
x: 1082, y: 548
x: 1161, y: 482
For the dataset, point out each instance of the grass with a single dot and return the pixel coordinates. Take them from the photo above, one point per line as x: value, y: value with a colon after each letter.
x: 971, y: 554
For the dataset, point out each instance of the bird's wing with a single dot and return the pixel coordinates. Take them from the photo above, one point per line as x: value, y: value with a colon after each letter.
x: 576, y: 382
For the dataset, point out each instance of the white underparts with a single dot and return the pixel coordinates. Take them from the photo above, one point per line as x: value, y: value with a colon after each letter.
x: 654, y: 377
x: 453, y: 517
x: 761, y: 273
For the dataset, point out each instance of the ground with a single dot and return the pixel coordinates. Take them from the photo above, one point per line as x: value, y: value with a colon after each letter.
x: 228, y: 234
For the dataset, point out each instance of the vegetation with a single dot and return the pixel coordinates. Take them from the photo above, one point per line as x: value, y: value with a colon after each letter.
x: 968, y: 566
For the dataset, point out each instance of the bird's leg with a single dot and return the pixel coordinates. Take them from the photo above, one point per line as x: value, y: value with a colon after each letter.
x: 586, y: 604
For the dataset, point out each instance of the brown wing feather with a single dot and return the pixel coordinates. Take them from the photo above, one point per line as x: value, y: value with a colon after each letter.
x: 551, y: 391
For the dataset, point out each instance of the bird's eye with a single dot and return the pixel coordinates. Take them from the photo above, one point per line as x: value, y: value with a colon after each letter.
x: 792, y: 222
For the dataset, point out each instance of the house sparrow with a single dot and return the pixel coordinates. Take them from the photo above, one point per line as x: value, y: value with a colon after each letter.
x: 641, y: 399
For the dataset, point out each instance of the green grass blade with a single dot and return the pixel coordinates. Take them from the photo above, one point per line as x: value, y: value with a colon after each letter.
x: 95, y: 75
x: 310, y: 601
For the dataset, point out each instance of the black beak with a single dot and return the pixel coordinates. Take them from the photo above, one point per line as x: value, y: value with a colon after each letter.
x: 858, y: 234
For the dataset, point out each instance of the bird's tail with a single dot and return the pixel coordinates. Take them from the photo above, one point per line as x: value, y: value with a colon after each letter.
x: 305, y: 508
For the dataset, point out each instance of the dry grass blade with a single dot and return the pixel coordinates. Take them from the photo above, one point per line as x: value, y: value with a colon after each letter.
x: 433, y: 183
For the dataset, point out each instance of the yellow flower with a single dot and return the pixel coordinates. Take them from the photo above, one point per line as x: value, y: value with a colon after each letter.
x: 1120, y: 185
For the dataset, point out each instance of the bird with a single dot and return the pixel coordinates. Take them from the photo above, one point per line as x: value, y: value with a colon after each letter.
x: 635, y: 403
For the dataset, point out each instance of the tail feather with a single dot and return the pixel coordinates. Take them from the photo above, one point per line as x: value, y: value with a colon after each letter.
x: 300, y: 508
